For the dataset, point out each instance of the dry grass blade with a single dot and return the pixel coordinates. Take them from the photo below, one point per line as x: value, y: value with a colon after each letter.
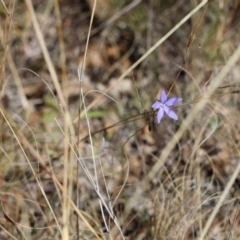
x: 25, y: 103
x: 94, y: 183
x: 30, y: 165
x: 46, y: 53
x: 68, y: 167
x: 21, y: 139
x: 115, y: 17
x: 5, y: 7
x: 148, y: 116
x: 13, y: 223
x: 216, y: 82
x: 163, y: 39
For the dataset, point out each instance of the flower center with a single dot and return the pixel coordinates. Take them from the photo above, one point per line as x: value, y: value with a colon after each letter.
x: 162, y: 104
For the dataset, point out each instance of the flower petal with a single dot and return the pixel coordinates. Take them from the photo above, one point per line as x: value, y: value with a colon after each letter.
x: 160, y: 114
x: 163, y: 96
x: 170, y: 113
x: 173, y: 101
x: 156, y: 105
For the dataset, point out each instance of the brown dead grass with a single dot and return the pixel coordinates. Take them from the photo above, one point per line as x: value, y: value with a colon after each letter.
x: 179, y: 181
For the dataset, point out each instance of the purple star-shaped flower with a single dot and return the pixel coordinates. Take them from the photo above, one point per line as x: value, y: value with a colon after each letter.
x: 165, y: 106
